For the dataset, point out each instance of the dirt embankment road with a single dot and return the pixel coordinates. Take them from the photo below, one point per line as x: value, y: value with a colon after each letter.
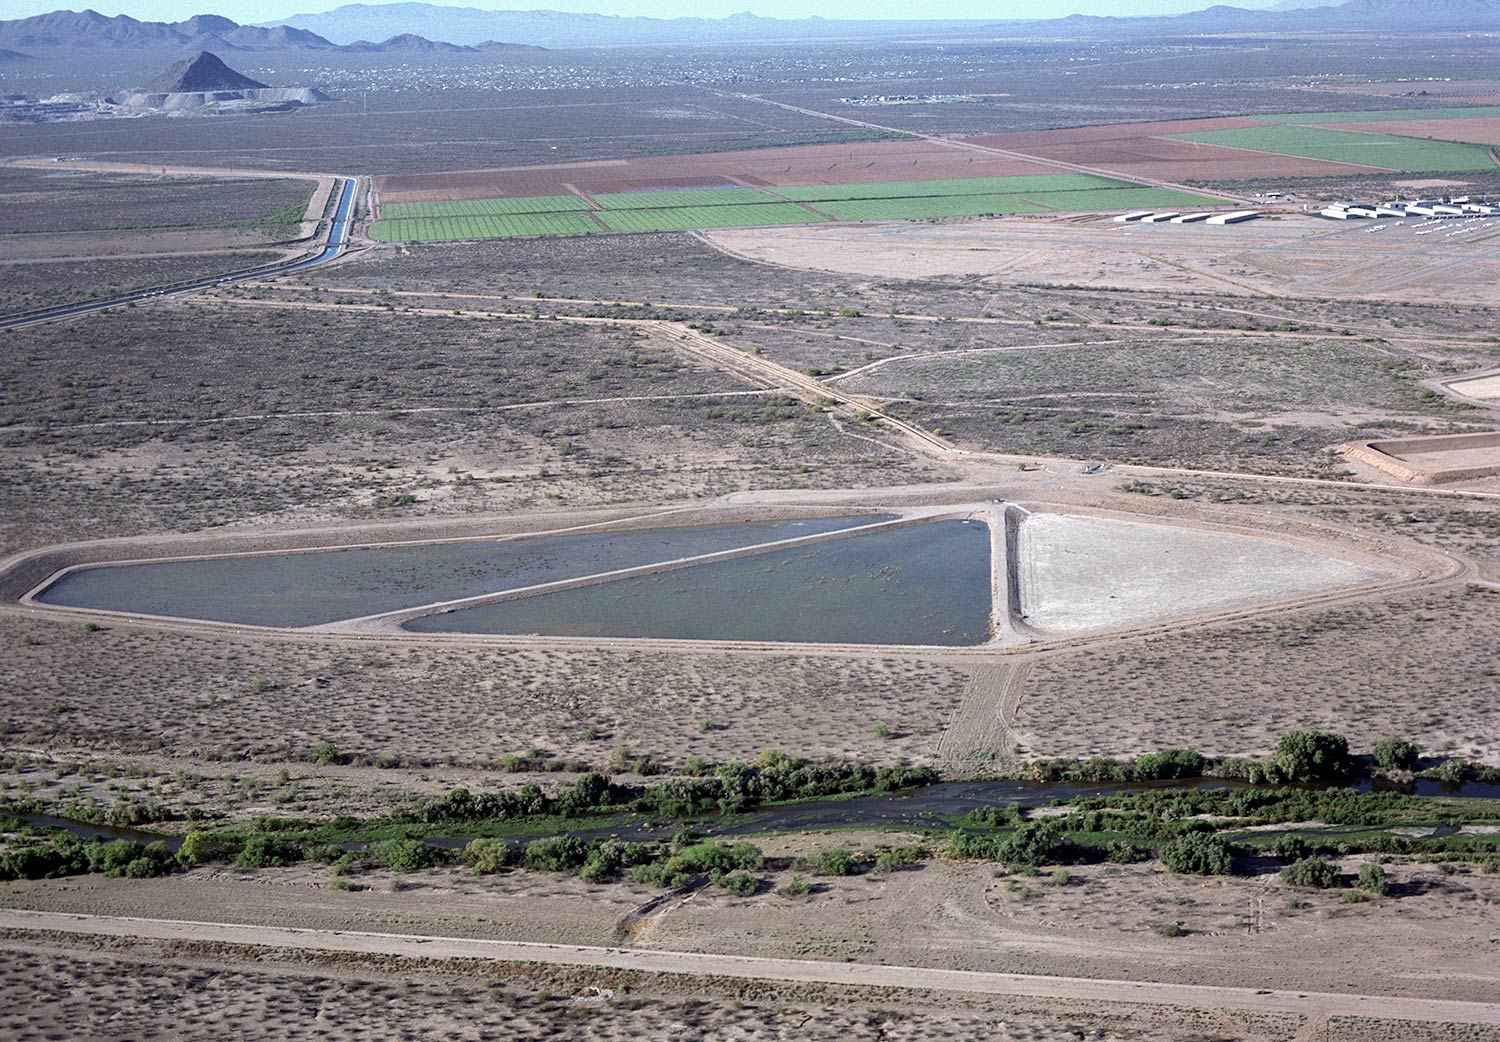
x: 1315, y: 1007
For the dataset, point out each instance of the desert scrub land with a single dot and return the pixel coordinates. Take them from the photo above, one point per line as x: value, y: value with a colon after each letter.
x: 228, y: 696
x: 1419, y: 663
x: 128, y: 990
x: 145, y: 418
x: 39, y: 201
x: 24, y: 287
x: 1233, y: 403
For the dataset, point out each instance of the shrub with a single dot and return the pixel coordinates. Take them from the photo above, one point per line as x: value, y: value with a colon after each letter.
x: 43, y: 860
x: 122, y: 858
x: 1171, y: 763
x: 326, y: 753
x: 1123, y: 852
x: 1311, y: 872
x: 1373, y: 880
x: 1032, y: 843
x: 742, y: 883
x: 836, y: 862
x: 1198, y: 853
x: 898, y: 857
x: 197, y: 849
x: 1395, y: 754
x: 1172, y: 930
x: 1291, y: 848
x: 797, y: 886
x: 488, y: 856
x: 609, y: 858
x: 555, y: 854
x: 261, y: 851
x: 405, y: 855
x: 715, y: 860
x: 1306, y: 756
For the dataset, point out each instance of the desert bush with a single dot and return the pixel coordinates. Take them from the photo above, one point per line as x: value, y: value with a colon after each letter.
x: 1198, y: 853
x: 797, y: 886
x: 488, y: 856
x: 262, y: 851
x: 1309, y: 756
x: 1171, y: 763
x: 555, y: 854
x: 836, y: 862
x: 742, y: 883
x: 406, y: 855
x: 1395, y: 754
x: 1373, y: 880
x: 1313, y: 873
x: 326, y: 753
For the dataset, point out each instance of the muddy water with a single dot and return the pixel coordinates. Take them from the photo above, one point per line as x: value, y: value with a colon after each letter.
x: 307, y: 589
x: 922, y: 584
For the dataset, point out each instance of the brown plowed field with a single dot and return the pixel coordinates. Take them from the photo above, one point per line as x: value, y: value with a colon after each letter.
x: 1025, y: 139
x: 1478, y: 131
x: 1144, y: 150
x: 856, y: 163
x: 1176, y: 160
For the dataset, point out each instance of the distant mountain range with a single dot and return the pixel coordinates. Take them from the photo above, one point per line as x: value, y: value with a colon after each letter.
x: 418, y: 27
x: 563, y: 29
x: 204, y: 32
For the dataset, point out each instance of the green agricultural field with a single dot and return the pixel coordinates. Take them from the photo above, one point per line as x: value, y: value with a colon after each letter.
x: 676, y: 198
x: 480, y: 207
x: 954, y: 186
x: 1384, y: 115
x: 1408, y: 155
x: 684, y: 218
x: 1129, y: 198
x: 495, y: 226
x: 936, y: 206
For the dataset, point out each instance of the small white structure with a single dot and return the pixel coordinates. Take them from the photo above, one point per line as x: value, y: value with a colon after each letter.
x: 1132, y: 217
x: 1237, y: 217
x: 1191, y: 218
x: 1337, y: 213
x: 1158, y: 218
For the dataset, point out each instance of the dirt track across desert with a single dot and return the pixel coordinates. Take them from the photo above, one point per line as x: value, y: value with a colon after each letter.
x: 1316, y: 1007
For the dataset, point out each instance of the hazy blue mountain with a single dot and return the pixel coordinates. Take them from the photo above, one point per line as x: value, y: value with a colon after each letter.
x: 468, y: 25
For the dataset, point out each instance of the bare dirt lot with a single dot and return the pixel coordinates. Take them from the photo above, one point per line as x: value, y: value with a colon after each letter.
x: 187, y: 988
x: 1101, y: 921
x: 1295, y: 256
x: 1480, y: 131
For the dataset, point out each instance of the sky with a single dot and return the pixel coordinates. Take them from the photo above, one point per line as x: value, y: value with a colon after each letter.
x: 256, y: 11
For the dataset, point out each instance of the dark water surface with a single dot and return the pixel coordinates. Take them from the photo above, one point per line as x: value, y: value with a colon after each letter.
x: 922, y: 584
x: 306, y: 589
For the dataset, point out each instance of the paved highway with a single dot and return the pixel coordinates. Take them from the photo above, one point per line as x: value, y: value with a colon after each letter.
x: 333, y: 245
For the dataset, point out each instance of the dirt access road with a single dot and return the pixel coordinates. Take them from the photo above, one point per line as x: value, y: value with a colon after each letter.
x: 1314, y: 1007
x: 766, y: 374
